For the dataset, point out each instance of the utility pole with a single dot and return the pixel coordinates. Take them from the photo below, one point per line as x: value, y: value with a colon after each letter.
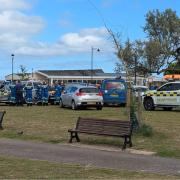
x: 12, y: 55
x: 92, y: 56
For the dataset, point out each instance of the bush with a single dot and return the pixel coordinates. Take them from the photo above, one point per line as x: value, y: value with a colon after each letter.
x: 145, y: 130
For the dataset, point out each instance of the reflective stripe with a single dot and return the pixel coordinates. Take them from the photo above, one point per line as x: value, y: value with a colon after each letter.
x: 163, y: 94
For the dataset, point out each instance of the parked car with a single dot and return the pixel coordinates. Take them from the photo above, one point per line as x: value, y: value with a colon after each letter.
x: 167, y: 97
x: 4, y: 93
x: 77, y: 95
x: 114, y: 91
x: 139, y: 89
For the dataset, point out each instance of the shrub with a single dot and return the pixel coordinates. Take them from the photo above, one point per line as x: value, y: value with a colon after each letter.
x: 145, y: 130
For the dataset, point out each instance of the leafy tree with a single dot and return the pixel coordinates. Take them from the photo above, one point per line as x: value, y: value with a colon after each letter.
x: 130, y: 55
x: 163, y: 32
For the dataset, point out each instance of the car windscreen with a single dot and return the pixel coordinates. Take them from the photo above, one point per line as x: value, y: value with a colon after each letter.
x: 114, y: 85
x: 89, y: 90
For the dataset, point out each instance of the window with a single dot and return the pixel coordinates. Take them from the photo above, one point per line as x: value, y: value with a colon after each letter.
x: 73, y: 89
x: 176, y: 86
x: 89, y: 90
x: 114, y: 85
x: 167, y: 87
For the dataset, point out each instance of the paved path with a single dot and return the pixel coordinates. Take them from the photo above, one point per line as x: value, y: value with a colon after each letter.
x: 89, y: 156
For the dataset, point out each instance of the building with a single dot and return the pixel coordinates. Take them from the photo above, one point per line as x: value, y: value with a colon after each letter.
x: 66, y: 76
x: 17, y: 76
x: 87, y: 76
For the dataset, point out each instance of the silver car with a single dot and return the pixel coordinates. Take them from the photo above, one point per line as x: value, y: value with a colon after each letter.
x: 76, y: 96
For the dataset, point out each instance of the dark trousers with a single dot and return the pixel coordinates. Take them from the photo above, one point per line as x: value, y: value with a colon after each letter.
x: 19, y: 98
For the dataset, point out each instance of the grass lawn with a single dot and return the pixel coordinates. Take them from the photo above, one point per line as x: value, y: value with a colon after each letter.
x: 50, y: 124
x: 17, y: 168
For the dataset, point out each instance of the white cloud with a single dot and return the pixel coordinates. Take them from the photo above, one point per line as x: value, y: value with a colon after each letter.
x: 13, y: 4
x: 18, y: 28
x: 19, y: 23
x: 68, y: 44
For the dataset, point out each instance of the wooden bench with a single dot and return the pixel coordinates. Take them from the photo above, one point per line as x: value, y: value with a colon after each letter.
x: 1, y: 118
x: 116, y: 128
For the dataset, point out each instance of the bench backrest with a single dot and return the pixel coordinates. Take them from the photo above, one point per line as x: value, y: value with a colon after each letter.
x: 103, y: 126
x: 1, y: 117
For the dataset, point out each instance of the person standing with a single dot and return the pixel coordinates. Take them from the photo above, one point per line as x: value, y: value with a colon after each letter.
x: 58, y: 90
x: 19, y: 93
x: 45, y: 93
x: 28, y: 94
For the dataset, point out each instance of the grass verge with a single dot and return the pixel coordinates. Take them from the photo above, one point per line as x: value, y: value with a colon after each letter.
x: 17, y: 168
x: 50, y: 124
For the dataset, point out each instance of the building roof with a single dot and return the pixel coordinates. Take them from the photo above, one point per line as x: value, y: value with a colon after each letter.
x: 96, y: 72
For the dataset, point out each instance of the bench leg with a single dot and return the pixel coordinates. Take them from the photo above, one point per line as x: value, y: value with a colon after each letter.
x: 70, y: 140
x: 77, y: 137
x: 130, y: 142
x: 125, y: 142
x: 1, y: 128
x: 74, y: 135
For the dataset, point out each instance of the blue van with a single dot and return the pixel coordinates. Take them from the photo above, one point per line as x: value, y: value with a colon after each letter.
x: 114, y: 91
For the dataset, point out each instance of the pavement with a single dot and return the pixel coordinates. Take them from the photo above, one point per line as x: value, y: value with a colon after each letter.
x: 90, y: 156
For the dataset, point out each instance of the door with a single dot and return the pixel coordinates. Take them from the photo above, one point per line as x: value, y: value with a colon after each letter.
x: 167, y: 95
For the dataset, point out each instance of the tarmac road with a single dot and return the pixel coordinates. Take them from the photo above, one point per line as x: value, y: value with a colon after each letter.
x: 63, y: 153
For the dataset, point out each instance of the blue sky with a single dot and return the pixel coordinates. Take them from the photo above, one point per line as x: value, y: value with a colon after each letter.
x: 59, y: 34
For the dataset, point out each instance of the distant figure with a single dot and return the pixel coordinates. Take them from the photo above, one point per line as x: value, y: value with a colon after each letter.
x: 58, y: 90
x: 12, y: 98
x: 39, y: 94
x: 19, y: 93
x: 28, y: 94
x: 45, y: 93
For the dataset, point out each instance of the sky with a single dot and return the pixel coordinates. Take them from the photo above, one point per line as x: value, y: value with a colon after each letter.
x: 60, y: 34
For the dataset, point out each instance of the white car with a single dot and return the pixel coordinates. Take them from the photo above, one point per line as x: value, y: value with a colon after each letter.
x: 166, y: 97
x: 77, y: 95
x: 139, y: 89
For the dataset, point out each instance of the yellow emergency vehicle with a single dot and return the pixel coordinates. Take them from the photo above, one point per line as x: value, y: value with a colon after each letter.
x: 166, y: 97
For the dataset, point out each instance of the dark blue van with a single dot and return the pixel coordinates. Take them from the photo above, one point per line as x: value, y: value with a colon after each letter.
x: 114, y: 91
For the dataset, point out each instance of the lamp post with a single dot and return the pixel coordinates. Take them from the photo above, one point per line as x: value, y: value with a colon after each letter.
x: 92, y: 56
x: 12, y: 55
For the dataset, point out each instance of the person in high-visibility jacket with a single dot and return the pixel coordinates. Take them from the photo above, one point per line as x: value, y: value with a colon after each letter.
x: 45, y: 93
x: 28, y: 94
x: 12, y: 98
x: 58, y: 90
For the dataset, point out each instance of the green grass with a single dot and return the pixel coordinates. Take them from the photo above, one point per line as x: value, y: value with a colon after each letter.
x: 18, y: 168
x: 50, y: 124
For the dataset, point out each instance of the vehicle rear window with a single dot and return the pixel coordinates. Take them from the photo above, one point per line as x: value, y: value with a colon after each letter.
x: 114, y: 85
x: 89, y: 90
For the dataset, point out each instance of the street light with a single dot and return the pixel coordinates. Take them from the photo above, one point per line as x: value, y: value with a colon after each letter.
x: 92, y: 56
x: 12, y: 66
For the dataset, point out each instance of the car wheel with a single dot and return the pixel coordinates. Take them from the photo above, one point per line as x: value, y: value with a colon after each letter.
x: 167, y: 108
x: 61, y: 103
x: 149, y: 104
x: 73, y: 105
x: 99, y: 107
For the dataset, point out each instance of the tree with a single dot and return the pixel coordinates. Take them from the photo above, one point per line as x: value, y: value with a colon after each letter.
x: 131, y: 54
x: 163, y: 32
x: 23, y: 73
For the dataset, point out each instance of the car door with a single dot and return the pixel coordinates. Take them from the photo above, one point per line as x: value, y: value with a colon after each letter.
x: 166, y: 95
x: 71, y: 94
x: 64, y: 96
